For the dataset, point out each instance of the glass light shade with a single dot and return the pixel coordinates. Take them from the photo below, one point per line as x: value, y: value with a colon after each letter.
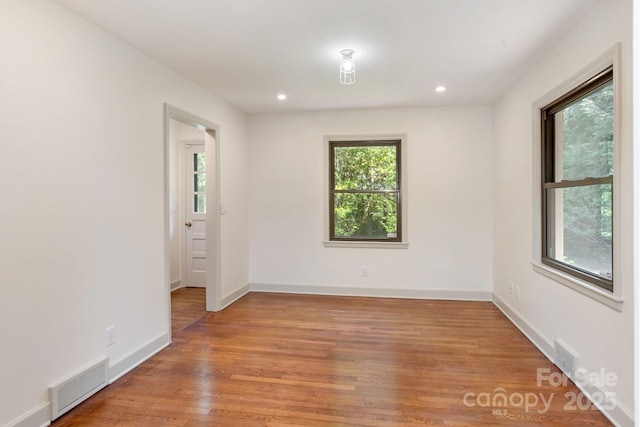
x: 347, y: 67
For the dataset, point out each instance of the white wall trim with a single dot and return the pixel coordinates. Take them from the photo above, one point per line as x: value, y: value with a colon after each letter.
x: 609, y: 58
x: 373, y: 292
x: 137, y: 357
x: 214, y: 227
x: 365, y: 245
x: 600, y: 295
x: 234, y: 296
x: 635, y: 86
x: 37, y: 417
x: 544, y: 345
x: 41, y: 416
x: 619, y: 416
x: 176, y: 284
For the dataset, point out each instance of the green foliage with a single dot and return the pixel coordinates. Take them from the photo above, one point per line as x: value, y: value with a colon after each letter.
x: 365, y: 215
x: 199, y: 182
x: 365, y: 168
x: 199, y: 162
x: 588, y: 136
x: 588, y: 152
x: 368, y: 214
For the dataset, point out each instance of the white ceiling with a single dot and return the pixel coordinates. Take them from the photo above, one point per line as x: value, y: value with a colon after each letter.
x: 248, y: 51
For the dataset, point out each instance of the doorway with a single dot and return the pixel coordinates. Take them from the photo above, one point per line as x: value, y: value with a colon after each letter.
x: 192, y: 204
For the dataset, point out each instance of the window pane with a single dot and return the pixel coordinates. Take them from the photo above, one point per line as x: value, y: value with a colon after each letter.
x: 199, y: 203
x: 199, y: 162
x: 579, y: 227
x: 366, y: 168
x: 366, y: 216
x: 584, y: 137
x: 199, y: 184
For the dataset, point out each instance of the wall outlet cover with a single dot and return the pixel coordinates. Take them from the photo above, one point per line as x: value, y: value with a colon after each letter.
x: 111, y: 335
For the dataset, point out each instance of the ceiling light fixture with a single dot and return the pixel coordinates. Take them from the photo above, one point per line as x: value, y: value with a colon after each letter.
x: 282, y: 97
x: 441, y: 89
x: 347, y: 67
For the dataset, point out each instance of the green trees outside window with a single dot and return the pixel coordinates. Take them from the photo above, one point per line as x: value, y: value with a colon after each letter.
x: 578, y: 178
x: 365, y: 190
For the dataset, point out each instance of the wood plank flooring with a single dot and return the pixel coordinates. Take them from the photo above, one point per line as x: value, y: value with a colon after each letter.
x: 187, y: 306
x: 300, y: 360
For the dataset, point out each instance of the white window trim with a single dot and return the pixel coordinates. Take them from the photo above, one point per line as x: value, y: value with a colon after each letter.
x: 327, y: 243
x: 611, y: 299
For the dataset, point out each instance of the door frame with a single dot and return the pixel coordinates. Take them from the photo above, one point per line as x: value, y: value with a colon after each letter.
x: 213, y: 229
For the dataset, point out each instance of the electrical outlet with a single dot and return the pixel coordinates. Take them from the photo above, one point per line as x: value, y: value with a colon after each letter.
x: 364, y: 272
x: 518, y: 293
x: 511, y: 289
x: 111, y: 335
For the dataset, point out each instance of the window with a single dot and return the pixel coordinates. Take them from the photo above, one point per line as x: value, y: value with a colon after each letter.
x: 577, y: 181
x: 199, y: 181
x: 364, y: 191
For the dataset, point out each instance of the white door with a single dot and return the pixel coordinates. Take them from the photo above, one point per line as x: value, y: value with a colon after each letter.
x: 195, y: 197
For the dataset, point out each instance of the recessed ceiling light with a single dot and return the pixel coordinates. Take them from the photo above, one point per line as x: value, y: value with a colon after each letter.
x: 441, y: 89
x: 282, y: 96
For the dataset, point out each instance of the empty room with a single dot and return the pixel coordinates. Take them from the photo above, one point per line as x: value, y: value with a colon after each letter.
x: 319, y: 212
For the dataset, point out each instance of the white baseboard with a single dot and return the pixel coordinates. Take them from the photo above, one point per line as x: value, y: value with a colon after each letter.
x: 41, y: 416
x: 234, y: 296
x: 373, y: 292
x: 37, y: 417
x: 176, y: 284
x: 137, y: 357
x: 620, y: 416
x: 543, y: 344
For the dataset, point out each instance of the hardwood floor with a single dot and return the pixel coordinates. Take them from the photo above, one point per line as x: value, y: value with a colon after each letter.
x: 302, y: 360
x: 187, y: 306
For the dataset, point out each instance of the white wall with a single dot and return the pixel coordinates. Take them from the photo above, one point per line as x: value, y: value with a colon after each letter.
x: 449, y: 203
x: 603, y: 337
x: 636, y: 168
x: 82, y: 227
x: 82, y: 223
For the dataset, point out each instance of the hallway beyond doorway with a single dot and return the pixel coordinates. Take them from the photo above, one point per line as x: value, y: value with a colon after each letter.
x: 188, y: 305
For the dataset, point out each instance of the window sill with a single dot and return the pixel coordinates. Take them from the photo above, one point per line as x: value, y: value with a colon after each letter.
x: 366, y: 245
x: 584, y: 288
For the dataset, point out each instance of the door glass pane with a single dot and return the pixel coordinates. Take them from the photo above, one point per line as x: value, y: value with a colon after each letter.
x: 366, y: 168
x: 366, y: 216
x: 199, y: 162
x: 579, y: 227
x: 584, y: 137
x: 199, y: 182
x: 199, y: 203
